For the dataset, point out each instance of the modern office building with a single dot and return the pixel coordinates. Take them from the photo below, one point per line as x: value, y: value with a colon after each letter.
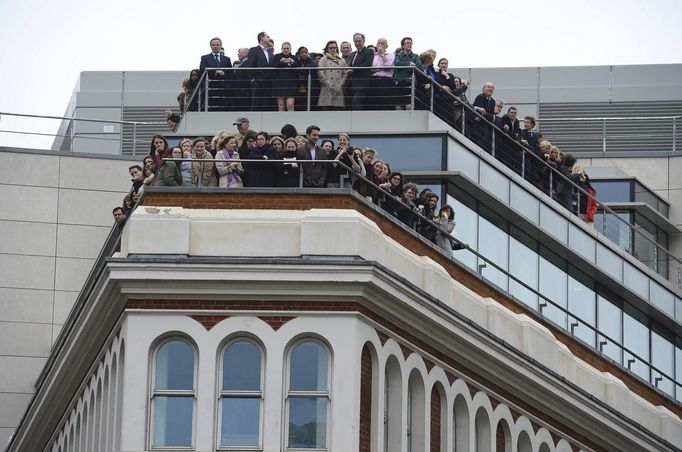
x: 310, y: 319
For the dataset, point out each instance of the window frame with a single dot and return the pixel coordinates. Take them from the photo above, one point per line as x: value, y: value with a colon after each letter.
x: 289, y: 394
x: 221, y: 393
x: 154, y: 393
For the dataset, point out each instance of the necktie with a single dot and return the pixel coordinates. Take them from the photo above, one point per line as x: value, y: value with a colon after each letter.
x: 217, y: 60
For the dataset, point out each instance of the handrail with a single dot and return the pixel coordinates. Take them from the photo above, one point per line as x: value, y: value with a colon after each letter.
x: 104, y: 121
x: 555, y: 172
x: 600, y: 336
x: 610, y: 118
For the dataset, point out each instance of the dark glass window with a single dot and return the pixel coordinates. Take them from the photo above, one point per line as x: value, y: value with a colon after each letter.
x: 612, y: 190
x: 405, y: 153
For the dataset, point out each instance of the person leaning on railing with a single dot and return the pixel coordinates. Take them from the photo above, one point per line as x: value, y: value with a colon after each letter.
x: 287, y: 174
x: 345, y: 155
x: 286, y: 80
x: 381, y: 78
x: 261, y: 174
x: 403, y: 77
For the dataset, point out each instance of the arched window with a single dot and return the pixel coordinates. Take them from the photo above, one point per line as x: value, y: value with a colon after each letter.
x: 241, y: 395
x: 173, y: 393
x: 308, y: 401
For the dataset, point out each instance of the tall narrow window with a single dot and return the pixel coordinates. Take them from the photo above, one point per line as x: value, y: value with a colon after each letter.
x: 308, y: 401
x: 241, y: 396
x: 173, y: 394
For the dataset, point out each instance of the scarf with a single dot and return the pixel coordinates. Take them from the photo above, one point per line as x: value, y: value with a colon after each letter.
x: 333, y: 57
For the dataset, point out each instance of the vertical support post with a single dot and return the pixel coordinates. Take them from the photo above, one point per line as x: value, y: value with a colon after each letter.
x: 206, y: 90
x: 464, y: 113
x: 135, y: 138
x: 603, y: 137
x: 551, y: 178
x: 414, y: 89
x: 300, y: 175
x: 603, y: 223
x: 71, y: 133
x: 309, y: 88
x: 523, y: 163
x: 433, y: 88
x: 492, y: 142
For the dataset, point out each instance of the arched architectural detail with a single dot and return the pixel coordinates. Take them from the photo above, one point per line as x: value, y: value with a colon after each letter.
x: 416, y: 411
x: 545, y: 440
x: 483, y: 434
x: 393, y: 404
x: 369, y: 397
x: 462, y: 425
x: 439, y: 419
x: 563, y: 446
x: 523, y: 442
x: 503, y: 438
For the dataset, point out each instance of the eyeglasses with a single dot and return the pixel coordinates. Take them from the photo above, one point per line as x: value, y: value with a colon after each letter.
x: 331, y: 48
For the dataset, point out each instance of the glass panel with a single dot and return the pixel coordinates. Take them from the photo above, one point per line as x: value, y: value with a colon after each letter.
x: 523, y: 264
x: 636, y: 339
x: 662, y: 298
x: 242, y: 367
x: 404, y: 153
x: 645, y: 250
x: 174, y: 366
x: 612, y: 191
x: 308, y: 422
x: 662, y: 355
x: 553, y: 285
x: 615, y: 230
x: 309, y: 367
x: 494, y: 246
x: 240, y: 422
x: 466, y: 228
x: 646, y: 196
x: 609, y: 321
x: 173, y: 421
x: 582, y: 303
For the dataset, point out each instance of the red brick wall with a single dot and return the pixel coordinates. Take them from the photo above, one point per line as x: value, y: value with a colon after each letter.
x: 366, y: 400
x: 435, y: 419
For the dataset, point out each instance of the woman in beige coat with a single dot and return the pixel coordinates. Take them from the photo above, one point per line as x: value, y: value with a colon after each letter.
x: 331, y: 80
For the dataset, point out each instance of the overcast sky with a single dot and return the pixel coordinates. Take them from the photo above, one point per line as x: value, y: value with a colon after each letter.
x: 44, y: 45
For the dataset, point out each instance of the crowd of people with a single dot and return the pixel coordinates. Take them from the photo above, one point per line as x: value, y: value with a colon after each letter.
x: 247, y: 158
x: 374, y: 78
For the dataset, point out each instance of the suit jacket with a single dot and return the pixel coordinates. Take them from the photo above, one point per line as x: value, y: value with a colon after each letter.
x: 256, y: 58
x: 314, y: 174
x: 488, y: 104
x: 514, y: 128
x: 361, y: 58
x: 208, y: 61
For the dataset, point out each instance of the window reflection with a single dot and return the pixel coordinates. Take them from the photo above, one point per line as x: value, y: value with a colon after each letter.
x: 553, y: 285
x: 413, y: 153
x: 636, y: 339
x: 493, y: 245
x: 466, y: 229
x: 662, y: 356
x: 609, y: 321
x: 581, y: 303
x: 523, y: 264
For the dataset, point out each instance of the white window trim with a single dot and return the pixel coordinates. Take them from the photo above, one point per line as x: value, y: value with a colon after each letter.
x: 288, y: 394
x: 221, y: 394
x: 153, y: 393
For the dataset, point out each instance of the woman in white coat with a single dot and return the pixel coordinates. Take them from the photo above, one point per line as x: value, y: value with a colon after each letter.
x: 331, y: 79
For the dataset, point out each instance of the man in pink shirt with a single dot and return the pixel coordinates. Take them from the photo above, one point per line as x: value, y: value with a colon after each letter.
x: 381, y: 78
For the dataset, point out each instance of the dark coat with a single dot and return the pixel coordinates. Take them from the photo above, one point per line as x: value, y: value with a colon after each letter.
x: 261, y: 174
x: 314, y: 174
x: 207, y: 61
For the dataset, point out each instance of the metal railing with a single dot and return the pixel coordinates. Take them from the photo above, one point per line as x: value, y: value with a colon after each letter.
x: 655, y: 375
x: 70, y: 131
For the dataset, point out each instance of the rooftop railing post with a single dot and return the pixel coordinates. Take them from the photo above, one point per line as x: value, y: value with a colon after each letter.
x: 492, y: 142
x: 603, y: 133
x: 523, y: 163
x: 551, y: 188
x: 464, y: 112
x: 71, y: 134
x: 206, y: 92
x: 433, y: 88
x: 413, y: 89
x: 135, y: 138
x: 300, y: 176
x: 308, y: 90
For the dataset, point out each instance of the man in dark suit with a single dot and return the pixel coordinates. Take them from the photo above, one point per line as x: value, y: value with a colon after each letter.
x: 530, y: 139
x: 260, y: 56
x: 218, y: 79
x: 314, y: 174
x: 484, y: 104
x: 511, y: 122
x: 361, y: 58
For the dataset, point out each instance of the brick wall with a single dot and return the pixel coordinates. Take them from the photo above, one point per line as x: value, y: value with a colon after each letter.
x: 366, y: 400
x: 435, y: 419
